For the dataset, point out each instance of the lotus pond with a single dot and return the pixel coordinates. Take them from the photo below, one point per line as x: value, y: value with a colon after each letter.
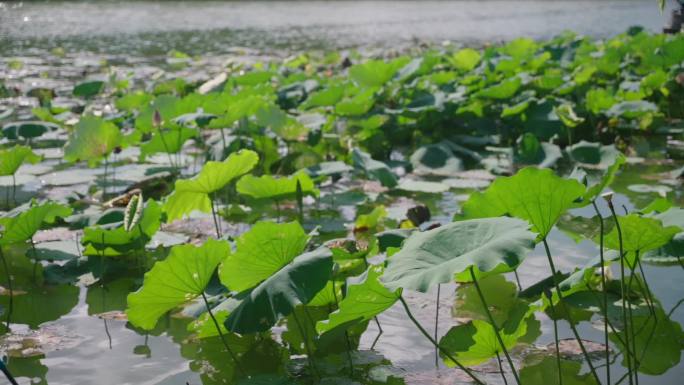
x: 440, y: 215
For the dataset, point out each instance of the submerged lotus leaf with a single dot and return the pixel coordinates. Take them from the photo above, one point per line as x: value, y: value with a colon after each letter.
x: 546, y: 372
x: 27, y: 129
x: 374, y: 169
x: 193, y: 194
x: 475, y: 342
x: 365, y: 299
x: 22, y: 227
x: 538, y: 196
x: 260, y: 252
x: 12, y: 158
x: 276, y: 297
x: 178, y: 279
x: 491, y: 245
x: 640, y: 234
x: 270, y: 187
x: 93, y: 139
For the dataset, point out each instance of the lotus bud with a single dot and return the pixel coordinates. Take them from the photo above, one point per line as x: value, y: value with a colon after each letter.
x: 157, y: 119
x: 133, y: 212
x: 609, y: 198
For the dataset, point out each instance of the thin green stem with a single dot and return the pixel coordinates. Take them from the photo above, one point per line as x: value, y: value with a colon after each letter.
x: 497, y: 331
x: 501, y: 369
x: 346, y: 332
x: 437, y: 325
x: 604, y: 289
x: 434, y: 342
x: 555, y: 336
x: 221, y: 335
x: 567, y: 313
x: 215, y: 217
x: 104, y: 182
x: 309, y: 353
x: 623, y: 293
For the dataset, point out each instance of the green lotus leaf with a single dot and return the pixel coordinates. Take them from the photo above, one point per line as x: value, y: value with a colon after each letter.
x: 117, y: 241
x: 490, y: 246
x: 546, y: 372
x: 133, y: 101
x: 640, y: 234
x: 328, y: 168
x: 374, y: 73
x: 475, y: 342
x: 374, y: 169
x: 276, y: 297
x: 193, y: 194
x: 465, y: 59
x: 27, y: 129
x: 436, y: 159
x: 11, y: 159
x: 358, y: 104
x: 93, y: 139
x: 89, y: 89
x: 270, y: 187
x: 260, y: 252
x: 536, y: 195
x: 324, y: 98
x: 178, y: 279
x: 365, y: 299
x: 599, y: 100
x: 504, y: 90
x: 594, y: 155
x: 632, y: 109
x: 529, y: 150
x: 568, y: 116
x: 22, y: 227
x: 167, y: 141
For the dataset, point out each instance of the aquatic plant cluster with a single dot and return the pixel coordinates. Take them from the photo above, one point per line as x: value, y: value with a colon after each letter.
x: 260, y: 219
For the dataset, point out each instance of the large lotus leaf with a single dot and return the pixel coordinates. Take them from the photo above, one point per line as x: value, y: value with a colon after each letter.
x: 639, y: 234
x: 365, y: 299
x: 374, y: 169
x: 546, y: 372
x: 504, y: 90
x: 167, y: 142
x: 88, y: 89
x: 93, y: 138
x: 193, y: 194
x: 23, y: 226
x: 491, y: 245
x: 436, y: 159
x: 593, y: 191
x: 475, y: 342
x: 593, y: 154
x: 12, y: 158
x: 262, y: 251
x: 112, y: 242
x: 657, y: 341
x: 270, y: 187
x: 375, y: 73
x: 537, y: 195
x: 178, y: 279
x: 295, y: 284
x: 27, y: 129
x: 465, y: 59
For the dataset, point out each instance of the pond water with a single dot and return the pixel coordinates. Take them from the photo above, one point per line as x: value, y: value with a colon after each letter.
x: 213, y: 26
x: 89, y: 343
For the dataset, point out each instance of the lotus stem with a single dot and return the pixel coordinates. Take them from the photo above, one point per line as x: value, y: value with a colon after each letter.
x: 104, y: 182
x: 9, y: 287
x: 300, y: 202
x: 565, y: 310
x: 346, y: 333
x: 214, y: 216
x: 501, y: 369
x: 604, y: 289
x: 437, y: 325
x: 380, y: 332
x: 220, y: 333
x: 7, y: 373
x: 35, y: 259
x: 309, y: 354
x: 434, y: 342
x: 493, y: 322
x: 555, y: 336
x: 623, y: 292
x: 517, y: 279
